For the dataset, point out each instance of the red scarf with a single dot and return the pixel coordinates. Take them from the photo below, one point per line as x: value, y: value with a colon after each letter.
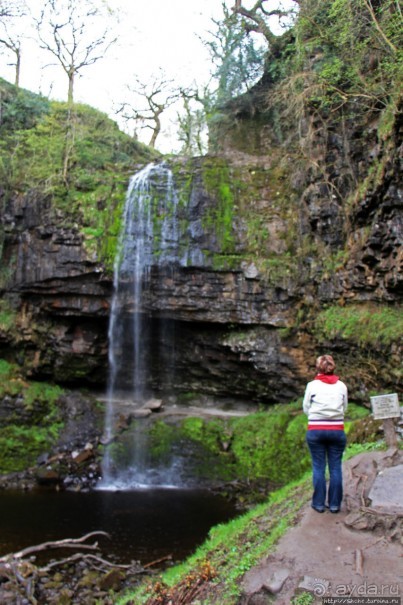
x: 328, y: 378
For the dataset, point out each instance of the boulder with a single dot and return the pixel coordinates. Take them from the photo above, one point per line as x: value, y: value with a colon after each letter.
x: 154, y: 405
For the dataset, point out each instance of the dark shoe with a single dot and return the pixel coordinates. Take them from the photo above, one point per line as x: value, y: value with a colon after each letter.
x: 334, y: 510
x: 319, y: 509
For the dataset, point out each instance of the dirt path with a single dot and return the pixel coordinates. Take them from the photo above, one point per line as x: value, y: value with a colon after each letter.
x: 356, y: 552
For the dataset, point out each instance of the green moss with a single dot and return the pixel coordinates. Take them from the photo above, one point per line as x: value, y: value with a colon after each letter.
x: 278, y: 270
x: 366, y: 324
x: 34, y: 424
x: 333, y: 262
x: 41, y: 392
x: 110, y: 241
x: 7, y: 316
x: 6, y: 369
x: 218, y: 184
x: 356, y: 412
x: 21, y: 445
x: 162, y: 436
x: 12, y: 383
x: 271, y: 445
x: 266, y: 445
x: 387, y: 121
x: 209, y: 433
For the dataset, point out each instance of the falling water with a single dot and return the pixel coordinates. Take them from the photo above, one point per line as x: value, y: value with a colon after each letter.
x: 149, y: 239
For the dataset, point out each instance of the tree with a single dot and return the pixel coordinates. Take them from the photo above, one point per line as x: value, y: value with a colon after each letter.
x: 237, y: 57
x: 9, y: 39
x: 357, y: 52
x: 192, y: 123
x: 155, y: 97
x: 256, y: 19
x: 75, y: 34
x: 7, y: 8
x: 14, y: 46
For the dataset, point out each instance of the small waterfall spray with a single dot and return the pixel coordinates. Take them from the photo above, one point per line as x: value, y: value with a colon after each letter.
x: 149, y: 238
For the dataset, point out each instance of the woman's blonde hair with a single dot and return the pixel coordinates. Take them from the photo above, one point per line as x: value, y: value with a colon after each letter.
x: 325, y: 364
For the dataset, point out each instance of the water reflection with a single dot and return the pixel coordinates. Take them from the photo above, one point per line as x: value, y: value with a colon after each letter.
x: 144, y: 525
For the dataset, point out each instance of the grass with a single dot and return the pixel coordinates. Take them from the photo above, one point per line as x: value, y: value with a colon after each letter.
x: 366, y: 324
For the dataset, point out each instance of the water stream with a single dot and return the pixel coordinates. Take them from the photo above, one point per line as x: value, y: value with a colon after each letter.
x: 149, y: 240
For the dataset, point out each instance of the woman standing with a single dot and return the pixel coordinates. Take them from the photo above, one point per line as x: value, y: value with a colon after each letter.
x: 325, y: 403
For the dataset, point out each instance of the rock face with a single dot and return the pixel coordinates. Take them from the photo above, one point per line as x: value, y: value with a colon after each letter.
x: 61, y: 297
x: 266, y: 245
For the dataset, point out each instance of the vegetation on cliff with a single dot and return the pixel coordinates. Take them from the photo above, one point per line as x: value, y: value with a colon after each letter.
x: 38, y: 138
x: 329, y: 105
x: 33, y: 421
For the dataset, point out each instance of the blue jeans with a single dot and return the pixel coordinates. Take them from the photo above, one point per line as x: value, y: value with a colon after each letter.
x: 326, y: 446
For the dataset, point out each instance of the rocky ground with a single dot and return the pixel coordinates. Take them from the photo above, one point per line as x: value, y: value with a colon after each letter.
x: 357, y: 552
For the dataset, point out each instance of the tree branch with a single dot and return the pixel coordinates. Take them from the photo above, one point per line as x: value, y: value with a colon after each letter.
x: 378, y: 27
x: 67, y: 543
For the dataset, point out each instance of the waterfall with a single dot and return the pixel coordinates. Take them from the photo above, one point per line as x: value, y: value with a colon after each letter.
x: 149, y: 241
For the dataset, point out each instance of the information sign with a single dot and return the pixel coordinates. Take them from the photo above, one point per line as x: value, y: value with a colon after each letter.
x: 385, y: 406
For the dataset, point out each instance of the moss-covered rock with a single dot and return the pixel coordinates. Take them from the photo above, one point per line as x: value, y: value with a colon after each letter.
x: 30, y: 420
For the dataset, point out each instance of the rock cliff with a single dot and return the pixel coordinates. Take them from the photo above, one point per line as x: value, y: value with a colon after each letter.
x: 291, y: 246
x: 243, y: 305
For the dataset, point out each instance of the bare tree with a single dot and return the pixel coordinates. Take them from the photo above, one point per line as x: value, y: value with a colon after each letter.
x: 9, y: 39
x: 66, y: 30
x: 77, y: 34
x: 155, y: 97
x: 7, y: 8
x: 14, y: 45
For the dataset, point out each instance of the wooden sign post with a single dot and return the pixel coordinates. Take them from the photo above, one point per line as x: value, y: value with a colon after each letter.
x: 386, y: 407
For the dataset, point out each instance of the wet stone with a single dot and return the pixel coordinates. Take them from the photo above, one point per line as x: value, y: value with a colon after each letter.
x: 386, y: 492
x: 153, y: 405
x: 141, y: 413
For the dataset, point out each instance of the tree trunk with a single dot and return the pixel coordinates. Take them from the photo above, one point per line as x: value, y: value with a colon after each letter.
x: 68, y: 144
x: 156, y: 132
x: 70, y: 93
x: 17, y: 67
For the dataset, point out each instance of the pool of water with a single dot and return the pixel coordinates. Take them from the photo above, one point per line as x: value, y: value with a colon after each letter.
x: 144, y: 525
